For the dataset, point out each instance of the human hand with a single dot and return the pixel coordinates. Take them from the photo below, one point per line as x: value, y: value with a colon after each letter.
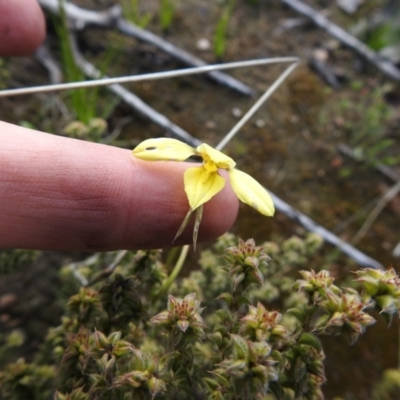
x: 64, y: 194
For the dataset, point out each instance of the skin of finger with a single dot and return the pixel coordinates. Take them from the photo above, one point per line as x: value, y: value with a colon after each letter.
x: 64, y: 194
x: 22, y: 27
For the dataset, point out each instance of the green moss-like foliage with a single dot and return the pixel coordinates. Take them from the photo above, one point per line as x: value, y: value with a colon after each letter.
x: 217, y: 335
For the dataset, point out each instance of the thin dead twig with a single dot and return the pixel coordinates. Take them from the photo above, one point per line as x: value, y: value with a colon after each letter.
x: 355, y: 216
x: 386, y: 67
x: 386, y: 198
x: 145, y: 77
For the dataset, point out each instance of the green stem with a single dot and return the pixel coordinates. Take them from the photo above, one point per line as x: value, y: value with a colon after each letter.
x: 171, y: 257
x: 175, y: 272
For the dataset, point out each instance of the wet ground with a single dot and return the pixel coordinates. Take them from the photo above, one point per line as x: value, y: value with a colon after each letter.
x: 290, y: 146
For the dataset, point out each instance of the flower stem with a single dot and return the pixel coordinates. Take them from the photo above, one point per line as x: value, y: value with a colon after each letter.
x: 175, y: 272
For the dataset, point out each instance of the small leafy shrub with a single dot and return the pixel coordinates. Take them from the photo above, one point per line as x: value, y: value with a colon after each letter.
x: 218, y: 334
x: 362, y: 124
x: 221, y: 29
x: 166, y: 13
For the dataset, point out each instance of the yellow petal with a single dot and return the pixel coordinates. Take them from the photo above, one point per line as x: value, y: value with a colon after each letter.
x: 208, y: 153
x: 201, y: 186
x: 163, y: 150
x: 251, y: 192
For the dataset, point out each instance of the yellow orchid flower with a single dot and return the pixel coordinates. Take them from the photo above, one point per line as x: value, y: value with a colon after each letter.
x: 202, y: 183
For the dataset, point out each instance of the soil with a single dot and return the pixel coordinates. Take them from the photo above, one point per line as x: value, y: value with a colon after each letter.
x: 290, y: 147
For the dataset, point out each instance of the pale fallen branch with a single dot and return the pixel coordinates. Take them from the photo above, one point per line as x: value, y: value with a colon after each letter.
x: 111, y: 19
x: 386, y: 67
x: 80, y: 17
